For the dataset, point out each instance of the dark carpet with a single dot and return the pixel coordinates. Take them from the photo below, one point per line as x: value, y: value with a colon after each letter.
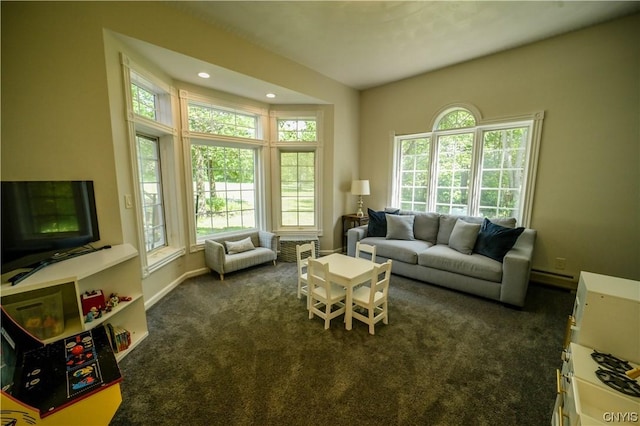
x: 243, y: 352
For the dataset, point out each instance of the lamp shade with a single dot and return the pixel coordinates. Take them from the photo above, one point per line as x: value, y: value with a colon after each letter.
x: 360, y: 187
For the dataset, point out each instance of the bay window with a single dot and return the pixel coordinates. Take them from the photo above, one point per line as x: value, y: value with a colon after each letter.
x: 225, y: 174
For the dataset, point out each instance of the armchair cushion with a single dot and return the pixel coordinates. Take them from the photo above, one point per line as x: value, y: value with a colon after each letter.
x: 234, y: 247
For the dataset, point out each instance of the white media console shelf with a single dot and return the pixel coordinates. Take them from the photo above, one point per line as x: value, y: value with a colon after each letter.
x: 113, y: 270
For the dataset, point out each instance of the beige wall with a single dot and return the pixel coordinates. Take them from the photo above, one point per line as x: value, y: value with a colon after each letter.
x: 57, y: 122
x: 587, y: 198
x: 61, y: 110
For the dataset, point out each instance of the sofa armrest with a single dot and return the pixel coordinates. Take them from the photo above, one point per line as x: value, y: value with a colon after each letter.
x: 214, y: 253
x: 268, y: 240
x: 516, y: 268
x: 353, y: 236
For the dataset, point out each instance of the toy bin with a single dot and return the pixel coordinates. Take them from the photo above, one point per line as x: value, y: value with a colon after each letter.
x: 43, y: 316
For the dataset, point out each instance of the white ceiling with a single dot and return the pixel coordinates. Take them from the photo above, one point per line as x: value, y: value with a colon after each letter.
x: 363, y: 44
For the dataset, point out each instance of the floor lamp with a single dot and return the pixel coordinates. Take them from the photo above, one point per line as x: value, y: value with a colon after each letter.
x: 360, y: 188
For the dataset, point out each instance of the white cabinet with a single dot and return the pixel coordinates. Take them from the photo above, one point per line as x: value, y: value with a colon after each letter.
x: 606, y: 315
x: 605, y: 318
x: 114, y: 270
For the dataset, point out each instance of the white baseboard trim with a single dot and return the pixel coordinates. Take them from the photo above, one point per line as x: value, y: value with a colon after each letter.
x: 158, y: 296
x: 568, y: 282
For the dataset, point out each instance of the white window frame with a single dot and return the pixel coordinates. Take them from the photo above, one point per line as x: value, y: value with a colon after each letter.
x: 187, y: 98
x: 166, y: 105
x: 534, y: 123
x: 259, y: 144
x: 278, y: 147
x: 159, y: 204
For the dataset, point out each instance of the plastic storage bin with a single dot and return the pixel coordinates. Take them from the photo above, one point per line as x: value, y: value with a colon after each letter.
x: 43, y: 316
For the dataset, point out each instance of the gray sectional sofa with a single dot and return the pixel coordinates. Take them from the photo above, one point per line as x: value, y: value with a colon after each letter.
x: 446, y: 250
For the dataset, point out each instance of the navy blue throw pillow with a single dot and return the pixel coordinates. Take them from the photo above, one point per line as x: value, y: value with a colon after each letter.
x: 495, y: 241
x: 378, y: 223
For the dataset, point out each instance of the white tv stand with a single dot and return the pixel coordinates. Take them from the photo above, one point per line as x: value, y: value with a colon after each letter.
x: 114, y: 270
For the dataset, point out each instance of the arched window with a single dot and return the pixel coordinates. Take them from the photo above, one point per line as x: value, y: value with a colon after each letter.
x: 455, y: 119
x: 465, y: 167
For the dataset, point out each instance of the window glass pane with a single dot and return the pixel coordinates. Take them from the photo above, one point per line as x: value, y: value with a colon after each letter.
x: 456, y: 119
x: 502, y: 174
x: 297, y: 130
x: 224, y: 188
x: 200, y: 119
x: 217, y: 121
x: 414, y: 173
x: 150, y: 179
x: 454, y: 170
x: 297, y: 188
x: 144, y: 101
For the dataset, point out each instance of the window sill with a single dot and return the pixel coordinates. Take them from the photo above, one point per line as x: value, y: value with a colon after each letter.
x: 160, y: 258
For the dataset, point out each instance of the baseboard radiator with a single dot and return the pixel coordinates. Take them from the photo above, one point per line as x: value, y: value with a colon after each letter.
x: 554, y: 279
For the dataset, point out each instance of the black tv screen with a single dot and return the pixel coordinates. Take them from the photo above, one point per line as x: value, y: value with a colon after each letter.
x: 41, y: 218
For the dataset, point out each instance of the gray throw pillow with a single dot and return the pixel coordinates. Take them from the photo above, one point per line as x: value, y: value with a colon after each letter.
x: 463, y: 237
x: 234, y: 247
x: 425, y: 227
x: 447, y: 222
x: 400, y: 227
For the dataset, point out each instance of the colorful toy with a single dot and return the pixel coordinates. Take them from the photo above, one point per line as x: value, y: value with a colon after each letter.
x: 94, y: 313
x: 92, y: 299
x: 114, y: 300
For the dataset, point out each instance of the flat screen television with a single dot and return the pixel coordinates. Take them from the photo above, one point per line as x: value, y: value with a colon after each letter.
x: 42, y: 218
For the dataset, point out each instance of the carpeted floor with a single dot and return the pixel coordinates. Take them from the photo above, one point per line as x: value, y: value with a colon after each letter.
x: 243, y: 352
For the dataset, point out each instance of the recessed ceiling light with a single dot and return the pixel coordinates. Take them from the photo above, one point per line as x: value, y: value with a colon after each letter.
x: 271, y: 95
x: 203, y: 75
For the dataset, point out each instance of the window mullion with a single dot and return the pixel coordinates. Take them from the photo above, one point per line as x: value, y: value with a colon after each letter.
x: 476, y: 170
x: 433, y: 175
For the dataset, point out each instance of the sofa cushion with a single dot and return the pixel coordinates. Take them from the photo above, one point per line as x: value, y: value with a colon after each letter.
x: 495, y: 241
x: 238, y: 261
x: 445, y: 258
x: 400, y: 227
x: 377, y: 226
x: 445, y: 226
x: 463, y: 236
x: 234, y: 247
x: 425, y: 227
x: 401, y: 250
